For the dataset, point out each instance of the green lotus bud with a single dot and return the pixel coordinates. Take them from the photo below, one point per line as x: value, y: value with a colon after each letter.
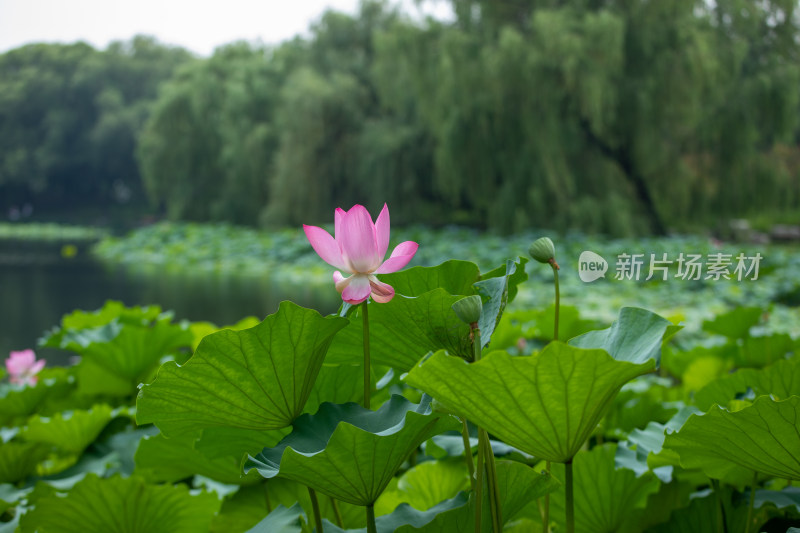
x: 468, y: 309
x: 543, y: 250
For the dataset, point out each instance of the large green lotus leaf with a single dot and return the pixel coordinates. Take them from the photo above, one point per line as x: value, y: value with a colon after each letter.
x: 279, y: 490
x: 703, y: 515
x: 406, y: 518
x: 454, y: 276
x: 546, y: 405
x: 763, y: 350
x: 788, y: 497
x: 780, y: 380
x: 425, y: 485
x: 607, y: 499
x: 71, y: 431
x: 641, y: 401
x: 636, y: 336
x: 257, y: 378
x: 762, y: 437
x: 403, y: 330
x: 118, y: 505
x: 18, y: 402
x: 282, y: 520
x: 249, y: 505
x: 734, y: 324
x: 518, y: 485
x: 159, y: 459
x: 241, y: 510
x: 203, y: 329
x: 96, y: 380
x: 219, y: 442
x: 351, y: 453
x: 539, y: 324
x: 643, y: 444
x: 110, y: 311
x: 336, y: 384
x: 19, y: 460
x: 128, y: 349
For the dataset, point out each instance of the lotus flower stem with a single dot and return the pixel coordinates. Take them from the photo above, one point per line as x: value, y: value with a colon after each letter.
x: 337, y: 513
x: 546, y: 513
x: 570, y: 501
x: 485, y: 457
x: 752, y: 503
x: 491, y: 482
x: 479, y: 489
x: 367, y: 391
x: 266, y: 496
x: 558, y: 298
x: 546, y: 517
x: 315, y: 508
x: 722, y: 522
x: 468, y: 452
x: 371, y: 526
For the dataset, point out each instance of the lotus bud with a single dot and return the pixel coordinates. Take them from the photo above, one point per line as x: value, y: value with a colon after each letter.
x: 468, y: 309
x: 543, y: 250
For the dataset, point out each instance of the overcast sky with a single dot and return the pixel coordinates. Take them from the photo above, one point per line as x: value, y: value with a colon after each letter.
x: 199, y: 25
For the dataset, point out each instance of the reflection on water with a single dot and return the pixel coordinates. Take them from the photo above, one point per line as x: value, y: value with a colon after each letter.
x: 36, y: 291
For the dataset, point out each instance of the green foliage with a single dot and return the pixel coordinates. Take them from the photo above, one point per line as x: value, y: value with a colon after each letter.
x: 119, y: 347
x: 609, y: 499
x: 71, y: 116
x: 281, y: 391
x: 761, y: 437
x: 227, y: 382
x: 545, y: 405
x: 118, y: 505
x: 326, y: 451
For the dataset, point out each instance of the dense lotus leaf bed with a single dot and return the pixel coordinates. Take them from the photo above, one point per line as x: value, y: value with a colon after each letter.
x: 285, y: 254
x: 165, y: 426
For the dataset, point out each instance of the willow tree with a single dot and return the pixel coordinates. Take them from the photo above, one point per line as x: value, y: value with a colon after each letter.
x: 604, y: 115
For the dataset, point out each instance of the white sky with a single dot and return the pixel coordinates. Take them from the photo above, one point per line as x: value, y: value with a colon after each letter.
x: 199, y: 25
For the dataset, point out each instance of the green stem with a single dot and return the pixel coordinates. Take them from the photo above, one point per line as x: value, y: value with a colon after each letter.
x: 558, y: 298
x: 266, y: 496
x: 371, y: 526
x: 367, y: 387
x: 570, y: 502
x: 315, y: 508
x: 337, y: 513
x: 752, y: 503
x: 722, y: 524
x: 476, y: 342
x: 479, y: 489
x: 476, y: 350
x: 546, y: 514
x: 491, y: 483
x: 468, y: 452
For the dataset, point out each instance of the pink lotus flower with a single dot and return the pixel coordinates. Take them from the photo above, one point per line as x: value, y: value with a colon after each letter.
x: 359, y: 248
x: 22, y: 367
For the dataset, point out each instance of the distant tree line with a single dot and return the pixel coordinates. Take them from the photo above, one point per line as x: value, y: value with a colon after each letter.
x: 616, y: 116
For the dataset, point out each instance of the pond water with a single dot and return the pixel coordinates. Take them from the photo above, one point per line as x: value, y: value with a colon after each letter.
x: 38, y: 288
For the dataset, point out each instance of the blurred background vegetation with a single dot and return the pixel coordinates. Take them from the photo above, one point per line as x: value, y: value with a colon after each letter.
x: 622, y: 117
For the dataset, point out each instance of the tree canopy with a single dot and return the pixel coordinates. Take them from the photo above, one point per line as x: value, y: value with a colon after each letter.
x: 615, y: 116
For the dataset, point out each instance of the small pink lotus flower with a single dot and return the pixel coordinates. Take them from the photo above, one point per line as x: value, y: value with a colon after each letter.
x: 359, y: 248
x: 22, y: 367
